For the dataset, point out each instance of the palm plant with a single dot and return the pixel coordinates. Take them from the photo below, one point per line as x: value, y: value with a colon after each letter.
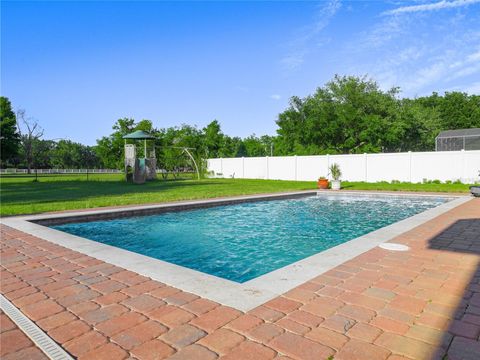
x: 335, y: 171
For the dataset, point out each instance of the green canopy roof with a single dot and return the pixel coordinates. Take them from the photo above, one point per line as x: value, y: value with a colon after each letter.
x: 139, y: 135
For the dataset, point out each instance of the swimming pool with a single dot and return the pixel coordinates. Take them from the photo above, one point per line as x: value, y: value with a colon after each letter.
x: 244, y: 241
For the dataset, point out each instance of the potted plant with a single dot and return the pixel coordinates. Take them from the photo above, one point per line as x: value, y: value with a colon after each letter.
x: 336, y: 174
x: 322, y: 182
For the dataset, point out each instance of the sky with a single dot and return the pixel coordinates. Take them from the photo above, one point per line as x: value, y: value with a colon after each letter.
x: 78, y: 66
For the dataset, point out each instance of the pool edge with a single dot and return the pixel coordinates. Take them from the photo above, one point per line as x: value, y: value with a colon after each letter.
x: 244, y: 296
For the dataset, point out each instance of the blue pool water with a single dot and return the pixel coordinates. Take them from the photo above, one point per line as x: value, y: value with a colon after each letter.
x: 243, y: 241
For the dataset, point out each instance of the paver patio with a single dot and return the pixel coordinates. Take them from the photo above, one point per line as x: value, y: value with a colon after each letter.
x: 419, y: 304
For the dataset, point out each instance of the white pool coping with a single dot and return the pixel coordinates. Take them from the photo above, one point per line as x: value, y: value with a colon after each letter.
x: 244, y: 296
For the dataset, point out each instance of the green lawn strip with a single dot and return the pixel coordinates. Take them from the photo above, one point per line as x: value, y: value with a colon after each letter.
x: 36, y: 197
x: 20, y: 195
x: 427, y: 187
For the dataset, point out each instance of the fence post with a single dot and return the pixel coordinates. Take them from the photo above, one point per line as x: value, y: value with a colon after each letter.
x: 463, y: 178
x: 243, y: 167
x: 410, y: 166
x: 266, y: 164
x: 295, y: 157
x: 365, y: 159
x: 328, y: 164
x: 221, y: 167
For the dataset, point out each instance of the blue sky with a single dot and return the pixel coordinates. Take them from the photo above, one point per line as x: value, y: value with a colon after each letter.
x: 76, y: 67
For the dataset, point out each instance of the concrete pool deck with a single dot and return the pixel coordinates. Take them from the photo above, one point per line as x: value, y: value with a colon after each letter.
x: 380, y: 304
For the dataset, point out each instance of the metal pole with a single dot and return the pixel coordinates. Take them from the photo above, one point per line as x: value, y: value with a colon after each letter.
x: 194, y: 162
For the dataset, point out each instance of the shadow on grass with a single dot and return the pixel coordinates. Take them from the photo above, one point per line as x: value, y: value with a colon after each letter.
x: 49, y: 191
x: 461, y: 339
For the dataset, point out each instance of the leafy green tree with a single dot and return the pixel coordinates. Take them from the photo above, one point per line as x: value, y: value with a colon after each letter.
x: 241, y: 150
x: 255, y: 146
x: 110, y: 149
x: 41, y: 153
x: 214, y: 139
x: 10, y: 139
x: 68, y: 154
x: 459, y: 110
x: 347, y: 115
x: 353, y: 115
x: 230, y: 147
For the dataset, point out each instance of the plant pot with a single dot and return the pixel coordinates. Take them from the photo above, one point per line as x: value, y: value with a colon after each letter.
x: 336, y: 184
x: 322, y: 183
x: 475, y: 190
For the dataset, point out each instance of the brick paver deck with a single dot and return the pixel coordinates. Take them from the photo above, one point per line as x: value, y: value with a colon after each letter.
x: 382, y: 304
x: 14, y: 344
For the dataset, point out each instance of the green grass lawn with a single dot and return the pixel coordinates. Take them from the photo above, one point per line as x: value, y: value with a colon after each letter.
x: 21, y: 195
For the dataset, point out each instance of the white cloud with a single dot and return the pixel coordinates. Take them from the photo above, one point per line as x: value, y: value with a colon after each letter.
x: 473, y: 89
x: 430, y: 7
x: 419, y: 50
x: 243, y: 89
x: 427, y: 75
x: 383, y: 32
x: 293, y: 60
x: 301, y: 45
x: 468, y: 64
x: 275, y: 97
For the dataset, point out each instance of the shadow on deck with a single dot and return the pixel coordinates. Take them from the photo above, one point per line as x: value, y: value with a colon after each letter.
x: 461, y: 339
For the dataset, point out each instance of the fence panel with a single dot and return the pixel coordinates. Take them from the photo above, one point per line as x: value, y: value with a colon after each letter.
x: 60, y: 171
x: 388, y: 167
x: 281, y: 168
x: 255, y: 168
x: 310, y: 168
x: 352, y: 166
x: 471, y: 166
x: 447, y: 165
x: 232, y: 167
x: 409, y: 167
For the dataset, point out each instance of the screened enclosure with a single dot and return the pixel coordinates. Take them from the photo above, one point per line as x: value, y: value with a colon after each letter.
x: 463, y: 139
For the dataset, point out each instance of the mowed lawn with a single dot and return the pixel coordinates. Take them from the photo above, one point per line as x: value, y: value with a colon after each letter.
x: 21, y: 195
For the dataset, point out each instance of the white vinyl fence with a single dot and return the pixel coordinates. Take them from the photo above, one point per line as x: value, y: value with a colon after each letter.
x: 61, y: 171
x: 409, y: 167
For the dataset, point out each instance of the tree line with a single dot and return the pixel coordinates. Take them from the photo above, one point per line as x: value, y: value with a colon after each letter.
x: 347, y: 115
x: 353, y: 115
x: 23, y: 146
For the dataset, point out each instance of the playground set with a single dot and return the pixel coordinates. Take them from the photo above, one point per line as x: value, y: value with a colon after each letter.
x: 140, y: 169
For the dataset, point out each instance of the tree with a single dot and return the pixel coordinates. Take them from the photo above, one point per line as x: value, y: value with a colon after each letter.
x: 459, y: 110
x: 10, y: 139
x: 241, y: 150
x: 214, y: 139
x: 41, y: 153
x: 353, y: 115
x: 347, y: 115
x: 230, y: 146
x: 68, y: 154
x: 110, y: 148
x: 255, y: 146
x: 30, y: 135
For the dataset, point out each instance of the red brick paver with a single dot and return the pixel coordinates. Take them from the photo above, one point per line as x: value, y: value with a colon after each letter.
x: 14, y: 344
x: 419, y: 304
